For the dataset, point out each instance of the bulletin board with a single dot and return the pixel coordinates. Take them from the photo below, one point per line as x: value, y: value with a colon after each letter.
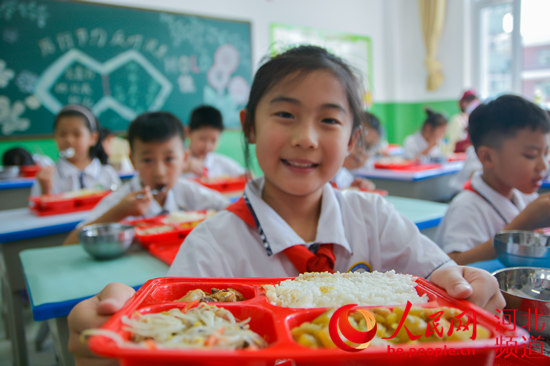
x: 354, y: 49
x: 118, y: 61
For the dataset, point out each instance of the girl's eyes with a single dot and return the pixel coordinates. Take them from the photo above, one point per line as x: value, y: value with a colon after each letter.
x: 331, y: 121
x: 284, y: 114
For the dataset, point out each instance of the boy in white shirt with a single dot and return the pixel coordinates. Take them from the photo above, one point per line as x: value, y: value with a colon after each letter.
x: 511, y: 139
x: 204, y: 131
x: 157, y: 152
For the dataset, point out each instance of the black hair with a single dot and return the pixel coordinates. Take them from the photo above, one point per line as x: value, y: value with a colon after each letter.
x: 301, y: 60
x: 502, y: 118
x: 434, y: 119
x: 91, y: 123
x: 373, y: 122
x: 205, y: 116
x: 155, y: 127
x: 17, y: 156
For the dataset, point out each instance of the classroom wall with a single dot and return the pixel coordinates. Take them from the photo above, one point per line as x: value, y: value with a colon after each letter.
x: 399, y: 76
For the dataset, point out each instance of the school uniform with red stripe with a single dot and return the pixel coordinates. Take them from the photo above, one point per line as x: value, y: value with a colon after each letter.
x: 356, y: 232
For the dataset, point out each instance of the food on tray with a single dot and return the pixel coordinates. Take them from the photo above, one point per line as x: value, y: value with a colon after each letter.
x: 188, y: 216
x: 310, y: 290
x: 154, y: 229
x: 422, y: 324
x: 216, y: 295
x: 204, y: 326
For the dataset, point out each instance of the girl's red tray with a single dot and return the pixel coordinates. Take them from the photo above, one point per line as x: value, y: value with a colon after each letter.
x: 55, y: 204
x: 274, y: 323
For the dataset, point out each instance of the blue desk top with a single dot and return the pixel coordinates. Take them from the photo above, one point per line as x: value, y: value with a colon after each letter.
x: 490, y: 266
x: 16, y: 183
x: 60, y: 277
x: 425, y: 214
x: 545, y: 184
x: 20, y: 224
x: 403, y: 175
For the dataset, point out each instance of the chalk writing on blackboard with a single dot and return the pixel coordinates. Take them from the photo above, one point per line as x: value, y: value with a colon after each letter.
x: 56, y: 53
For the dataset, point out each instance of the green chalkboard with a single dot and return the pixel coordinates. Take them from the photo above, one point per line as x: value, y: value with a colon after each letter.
x: 118, y: 61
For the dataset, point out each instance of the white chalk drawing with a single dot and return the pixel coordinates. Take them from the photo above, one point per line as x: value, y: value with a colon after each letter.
x: 33, y: 11
x: 5, y: 74
x: 56, y: 70
x: 224, y: 103
x: 238, y: 89
x: 186, y: 84
x: 25, y: 81
x: 218, y: 78
x: 32, y: 102
x: 227, y: 57
x: 10, y: 116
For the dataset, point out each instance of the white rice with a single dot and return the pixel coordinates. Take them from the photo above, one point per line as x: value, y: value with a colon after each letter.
x: 310, y: 290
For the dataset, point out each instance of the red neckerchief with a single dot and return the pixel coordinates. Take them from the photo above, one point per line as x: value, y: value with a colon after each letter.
x: 299, y: 255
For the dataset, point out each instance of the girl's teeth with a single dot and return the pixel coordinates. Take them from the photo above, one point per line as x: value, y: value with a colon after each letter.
x: 300, y: 165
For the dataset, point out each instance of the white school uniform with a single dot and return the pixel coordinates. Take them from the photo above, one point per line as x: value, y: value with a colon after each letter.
x: 219, y: 165
x: 471, y: 220
x: 414, y: 144
x: 184, y: 195
x: 367, y: 232
x: 471, y: 165
x: 67, y: 177
x: 344, y: 178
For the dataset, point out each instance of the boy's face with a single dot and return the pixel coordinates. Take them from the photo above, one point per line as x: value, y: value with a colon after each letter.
x: 203, y: 141
x: 158, y: 163
x: 521, y: 161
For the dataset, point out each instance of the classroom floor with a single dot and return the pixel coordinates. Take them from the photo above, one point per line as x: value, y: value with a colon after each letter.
x: 46, y: 357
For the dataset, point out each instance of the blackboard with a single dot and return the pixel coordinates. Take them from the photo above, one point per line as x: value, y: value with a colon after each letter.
x: 118, y: 61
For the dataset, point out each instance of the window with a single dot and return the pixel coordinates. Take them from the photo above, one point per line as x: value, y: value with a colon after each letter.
x: 512, y: 48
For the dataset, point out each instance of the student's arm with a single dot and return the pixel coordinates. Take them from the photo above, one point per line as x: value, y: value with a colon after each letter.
x: 44, y: 178
x: 534, y: 216
x: 133, y: 204
x: 92, y: 313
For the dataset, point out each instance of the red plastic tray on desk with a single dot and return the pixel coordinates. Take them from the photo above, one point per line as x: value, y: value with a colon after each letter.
x: 274, y: 323
x: 29, y: 171
x: 228, y: 184
x: 407, y: 167
x: 56, y: 204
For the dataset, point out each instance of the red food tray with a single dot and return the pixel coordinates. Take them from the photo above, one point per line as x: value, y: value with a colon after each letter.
x: 55, y: 204
x: 225, y: 184
x: 29, y: 171
x: 408, y: 166
x: 274, y: 324
x: 178, y: 232
x: 166, y: 251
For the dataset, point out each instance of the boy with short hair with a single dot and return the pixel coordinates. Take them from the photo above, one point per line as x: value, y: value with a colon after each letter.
x: 204, y: 131
x: 511, y: 139
x: 157, y: 152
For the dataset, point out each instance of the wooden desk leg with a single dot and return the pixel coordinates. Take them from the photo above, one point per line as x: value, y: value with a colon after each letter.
x: 14, y: 323
x: 60, y: 334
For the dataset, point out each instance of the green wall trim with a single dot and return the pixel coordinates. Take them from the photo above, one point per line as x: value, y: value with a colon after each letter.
x: 403, y: 119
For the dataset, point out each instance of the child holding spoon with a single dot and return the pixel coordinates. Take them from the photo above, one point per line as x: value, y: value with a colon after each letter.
x: 157, y: 152
x: 82, y: 162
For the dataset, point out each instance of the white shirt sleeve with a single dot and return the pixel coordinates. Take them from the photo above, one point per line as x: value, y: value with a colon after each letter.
x: 198, y: 197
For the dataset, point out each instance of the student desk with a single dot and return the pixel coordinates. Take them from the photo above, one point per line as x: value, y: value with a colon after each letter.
x: 430, y: 184
x: 425, y: 214
x: 545, y: 187
x: 14, y: 193
x: 19, y: 230
x: 60, y: 277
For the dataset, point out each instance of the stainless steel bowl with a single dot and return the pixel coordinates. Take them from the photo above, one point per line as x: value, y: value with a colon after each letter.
x: 522, y: 248
x: 9, y: 172
x: 527, y: 290
x: 106, y: 241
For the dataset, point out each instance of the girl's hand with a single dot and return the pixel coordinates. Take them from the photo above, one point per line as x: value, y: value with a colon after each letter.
x: 92, y: 313
x: 45, y: 178
x: 135, y: 203
x: 473, y: 284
